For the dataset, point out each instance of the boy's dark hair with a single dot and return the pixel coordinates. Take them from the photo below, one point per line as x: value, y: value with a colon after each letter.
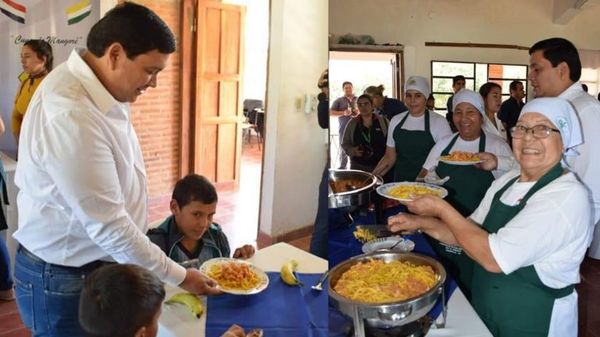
x: 485, y: 89
x: 513, y: 85
x: 42, y: 49
x: 194, y: 187
x: 119, y: 299
x: 347, y: 82
x: 458, y: 78
x: 137, y: 28
x: 557, y: 50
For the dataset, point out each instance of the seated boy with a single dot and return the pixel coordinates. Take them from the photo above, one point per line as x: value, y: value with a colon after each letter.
x: 189, y: 233
x: 125, y: 300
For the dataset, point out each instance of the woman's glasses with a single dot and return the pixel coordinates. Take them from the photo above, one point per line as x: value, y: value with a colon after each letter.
x: 538, y: 131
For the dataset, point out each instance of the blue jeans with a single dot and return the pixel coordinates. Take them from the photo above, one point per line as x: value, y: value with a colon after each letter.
x: 6, y: 281
x: 48, y: 295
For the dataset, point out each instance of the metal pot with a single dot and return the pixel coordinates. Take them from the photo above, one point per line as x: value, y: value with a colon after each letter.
x: 386, y: 315
x: 357, y: 195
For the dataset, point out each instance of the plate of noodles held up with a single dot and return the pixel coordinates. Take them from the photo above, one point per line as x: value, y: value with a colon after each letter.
x: 235, y: 276
x: 407, y: 191
x: 460, y: 158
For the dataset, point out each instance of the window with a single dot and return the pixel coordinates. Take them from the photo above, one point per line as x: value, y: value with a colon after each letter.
x: 476, y: 74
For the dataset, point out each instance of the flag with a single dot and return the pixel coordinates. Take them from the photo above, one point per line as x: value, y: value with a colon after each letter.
x: 78, y: 11
x: 13, y: 10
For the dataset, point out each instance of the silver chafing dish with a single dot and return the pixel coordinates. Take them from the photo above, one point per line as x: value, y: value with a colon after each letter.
x: 351, y: 187
x: 386, y: 315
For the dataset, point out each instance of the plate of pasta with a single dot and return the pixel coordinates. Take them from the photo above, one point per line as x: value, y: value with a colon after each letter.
x: 407, y: 191
x: 235, y: 276
x: 460, y: 158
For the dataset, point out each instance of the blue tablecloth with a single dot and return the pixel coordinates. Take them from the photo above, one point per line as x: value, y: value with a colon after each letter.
x: 280, y: 310
x: 343, y: 245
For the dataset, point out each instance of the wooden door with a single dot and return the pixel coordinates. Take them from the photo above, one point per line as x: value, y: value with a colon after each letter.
x: 218, y: 110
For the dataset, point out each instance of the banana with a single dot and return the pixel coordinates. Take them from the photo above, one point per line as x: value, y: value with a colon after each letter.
x: 288, y: 275
x: 190, y: 300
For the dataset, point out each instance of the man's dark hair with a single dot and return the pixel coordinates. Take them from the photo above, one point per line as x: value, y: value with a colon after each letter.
x: 137, y: 28
x: 42, y: 49
x: 458, y: 78
x: 485, y: 89
x: 513, y: 85
x: 194, y: 187
x: 557, y: 50
x: 119, y: 299
x: 347, y: 82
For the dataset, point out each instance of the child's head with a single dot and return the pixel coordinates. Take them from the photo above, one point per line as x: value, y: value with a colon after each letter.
x: 121, y: 300
x: 193, y: 205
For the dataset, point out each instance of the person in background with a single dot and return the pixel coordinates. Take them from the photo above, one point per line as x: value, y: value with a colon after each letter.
x: 345, y: 108
x: 530, y: 232
x: 319, y: 240
x: 384, y: 106
x: 37, y: 61
x: 584, y: 87
x: 7, y: 292
x: 412, y: 134
x: 599, y: 96
x: 115, y: 291
x: 555, y: 69
x: 492, y: 96
x: 458, y: 82
x: 81, y: 176
x: 189, y: 234
x: 511, y: 108
x: 466, y: 184
x: 430, y: 105
x: 364, y: 137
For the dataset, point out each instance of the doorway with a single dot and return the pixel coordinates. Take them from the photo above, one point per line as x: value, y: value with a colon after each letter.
x: 363, y: 69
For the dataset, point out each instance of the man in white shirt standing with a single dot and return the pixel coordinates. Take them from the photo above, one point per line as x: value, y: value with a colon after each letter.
x: 83, y: 190
x: 555, y: 69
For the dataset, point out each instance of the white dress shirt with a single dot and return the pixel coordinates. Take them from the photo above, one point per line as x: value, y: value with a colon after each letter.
x: 81, y: 177
x: 586, y: 165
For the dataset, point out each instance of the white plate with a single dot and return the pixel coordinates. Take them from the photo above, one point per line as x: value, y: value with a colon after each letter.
x: 384, y: 190
x: 385, y: 243
x: 262, y: 285
x: 460, y: 163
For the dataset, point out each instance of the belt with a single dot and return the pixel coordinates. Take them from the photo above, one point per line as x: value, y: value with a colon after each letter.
x: 86, y: 267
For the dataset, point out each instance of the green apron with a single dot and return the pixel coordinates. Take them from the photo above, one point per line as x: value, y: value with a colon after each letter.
x: 412, y: 148
x: 517, y: 304
x: 466, y: 188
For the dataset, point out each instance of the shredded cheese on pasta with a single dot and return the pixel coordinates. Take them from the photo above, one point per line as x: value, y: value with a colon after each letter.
x: 409, y: 191
x: 376, y: 281
x: 234, y: 276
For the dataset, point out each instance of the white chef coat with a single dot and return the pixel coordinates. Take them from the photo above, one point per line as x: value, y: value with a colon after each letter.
x: 81, y: 177
x: 551, y: 233
x: 438, y: 126
x: 500, y: 131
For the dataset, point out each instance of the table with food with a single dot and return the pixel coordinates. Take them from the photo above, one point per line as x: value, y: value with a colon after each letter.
x: 384, y: 284
x: 271, y: 293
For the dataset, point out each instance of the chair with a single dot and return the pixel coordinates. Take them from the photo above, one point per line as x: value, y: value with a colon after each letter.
x: 253, y: 110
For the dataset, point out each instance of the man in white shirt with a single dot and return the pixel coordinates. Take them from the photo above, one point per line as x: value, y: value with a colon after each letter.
x: 555, y: 69
x: 83, y: 189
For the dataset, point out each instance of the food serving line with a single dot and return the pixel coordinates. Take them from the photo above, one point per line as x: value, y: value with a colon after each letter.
x: 345, y: 249
x: 280, y: 310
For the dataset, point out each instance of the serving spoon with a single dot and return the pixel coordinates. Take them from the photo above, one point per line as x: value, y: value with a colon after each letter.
x: 319, y: 285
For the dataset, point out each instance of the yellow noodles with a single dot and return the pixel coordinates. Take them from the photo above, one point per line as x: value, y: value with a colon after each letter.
x: 234, y: 276
x: 364, y: 235
x: 407, y: 192
x: 376, y: 281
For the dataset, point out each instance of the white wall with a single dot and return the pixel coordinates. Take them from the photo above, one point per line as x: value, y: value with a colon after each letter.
x: 414, y: 22
x: 295, y: 151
